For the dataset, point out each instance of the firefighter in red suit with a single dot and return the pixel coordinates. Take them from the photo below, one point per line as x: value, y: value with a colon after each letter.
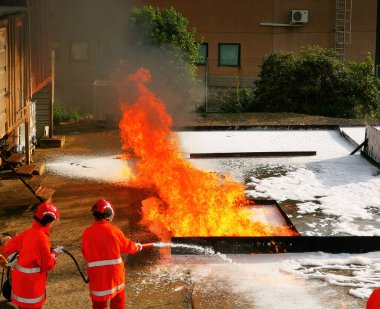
x: 374, y: 300
x: 102, y: 246
x: 31, y: 258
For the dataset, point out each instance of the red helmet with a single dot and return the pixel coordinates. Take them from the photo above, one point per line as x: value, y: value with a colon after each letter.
x: 46, y: 213
x: 103, y: 210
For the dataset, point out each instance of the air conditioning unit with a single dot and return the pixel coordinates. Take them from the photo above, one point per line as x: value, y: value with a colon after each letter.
x: 299, y: 16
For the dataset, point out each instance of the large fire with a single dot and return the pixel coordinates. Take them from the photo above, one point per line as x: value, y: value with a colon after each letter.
x: 189, y: 202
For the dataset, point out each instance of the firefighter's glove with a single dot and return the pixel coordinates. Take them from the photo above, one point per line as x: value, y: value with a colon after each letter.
x: 57, y: 251
x: 139, y: 247
x: 11, y: 264
x: 12, y: 260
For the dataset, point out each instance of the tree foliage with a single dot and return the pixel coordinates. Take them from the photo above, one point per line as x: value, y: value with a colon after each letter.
x: 167, y: 29
x: 160, y: 40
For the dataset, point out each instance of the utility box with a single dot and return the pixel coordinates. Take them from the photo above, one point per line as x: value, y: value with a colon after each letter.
x: 106, y: 107
x: 299, y: 16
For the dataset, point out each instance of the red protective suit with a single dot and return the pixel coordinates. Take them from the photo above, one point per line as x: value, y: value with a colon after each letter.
x: 374, y: 300
x: 34, y: 261
x: 102, y: 246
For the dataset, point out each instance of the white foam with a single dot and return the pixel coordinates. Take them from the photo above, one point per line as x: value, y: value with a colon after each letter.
x: 102, y: 169
x: 279, y: 280
x: 359, y: 272
x: 208, y: 251
x: 258, y: 140
x: 356, y: 133
x: 332, y: 182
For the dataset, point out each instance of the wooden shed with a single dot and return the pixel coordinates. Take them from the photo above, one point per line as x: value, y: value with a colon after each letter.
x: 25, y: 77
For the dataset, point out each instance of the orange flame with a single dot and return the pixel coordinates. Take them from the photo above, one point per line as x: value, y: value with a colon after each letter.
x: 191, y: 202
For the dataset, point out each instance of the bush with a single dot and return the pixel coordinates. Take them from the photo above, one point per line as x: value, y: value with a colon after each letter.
x: 362, y: 89
x: 61, y: 114
x: 317, y: 82
x: 237, y: 100
x: 277, y: 77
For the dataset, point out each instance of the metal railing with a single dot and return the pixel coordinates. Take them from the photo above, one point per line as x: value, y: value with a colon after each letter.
x: 216, y: 75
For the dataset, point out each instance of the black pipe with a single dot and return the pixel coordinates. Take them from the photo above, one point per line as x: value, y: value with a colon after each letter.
x: 251, y: 154
x: 2, y: 281
x: 360, y: 146
x: 3, y: 271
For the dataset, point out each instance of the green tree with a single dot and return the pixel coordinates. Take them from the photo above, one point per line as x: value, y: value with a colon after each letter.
x: 167, y: 29
x: 160, y: 40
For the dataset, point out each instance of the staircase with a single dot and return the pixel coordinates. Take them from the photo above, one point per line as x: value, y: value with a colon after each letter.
x: 343, y: 17
x: 31, y: 175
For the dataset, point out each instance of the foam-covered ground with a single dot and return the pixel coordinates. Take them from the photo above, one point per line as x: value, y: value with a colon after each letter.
x: 332, y: 193
x: 307, y: 280
x: 357, y: 133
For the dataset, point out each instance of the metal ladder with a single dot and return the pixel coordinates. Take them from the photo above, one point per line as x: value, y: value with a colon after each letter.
x: 343, y: 16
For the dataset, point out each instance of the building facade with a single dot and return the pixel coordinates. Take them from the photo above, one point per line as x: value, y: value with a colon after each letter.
x: 236, y: 36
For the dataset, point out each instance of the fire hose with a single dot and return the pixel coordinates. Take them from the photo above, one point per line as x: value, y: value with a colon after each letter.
x: 6, y: 286
x: 144, y: 246
x: 77, y: 265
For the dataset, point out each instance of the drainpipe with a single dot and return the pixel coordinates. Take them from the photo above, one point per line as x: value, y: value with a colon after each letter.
x: 28, y: 94
x: 52, y: 93
x: 206, y: 85
x: 377, y: 53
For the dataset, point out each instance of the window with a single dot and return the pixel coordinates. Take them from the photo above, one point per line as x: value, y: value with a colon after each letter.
x: 203, y: 54
x: 229, y: 55
x: 79, y: 50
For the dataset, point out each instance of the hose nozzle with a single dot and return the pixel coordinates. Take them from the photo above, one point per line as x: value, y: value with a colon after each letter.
x: 148, y: 245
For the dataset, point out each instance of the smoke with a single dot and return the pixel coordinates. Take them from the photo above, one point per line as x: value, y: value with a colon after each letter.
x: 88, y: 37
x: 93, y: 42
x: 173, y: 79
